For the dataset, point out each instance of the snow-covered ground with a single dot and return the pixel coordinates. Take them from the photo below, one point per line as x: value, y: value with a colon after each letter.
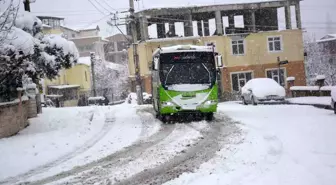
x: 311, y: 100
x: 283, y: 144
x: 61, y: 139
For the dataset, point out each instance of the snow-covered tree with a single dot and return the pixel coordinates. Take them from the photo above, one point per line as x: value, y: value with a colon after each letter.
x: 25, y: 51
x: 319, y: 62
x: 111, y: 79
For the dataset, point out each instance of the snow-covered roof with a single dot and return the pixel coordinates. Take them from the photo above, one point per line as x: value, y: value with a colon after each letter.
x: 329, y: 37
x: 320, y: 77
x: 305, y: 88
x: 63, y: 86
x: 84, y: 60
x: 79, y: 28
x: 183, y: 48
x: 290, y: 78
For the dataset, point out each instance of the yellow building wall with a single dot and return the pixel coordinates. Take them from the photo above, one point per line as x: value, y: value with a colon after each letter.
x: 256, y: 49
x: 52, y: 31
x: 73, y: 76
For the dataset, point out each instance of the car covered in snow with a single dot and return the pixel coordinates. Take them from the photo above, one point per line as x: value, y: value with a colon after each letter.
x: 333, y: 98
x: 262, y: 89
x: 132, y: 98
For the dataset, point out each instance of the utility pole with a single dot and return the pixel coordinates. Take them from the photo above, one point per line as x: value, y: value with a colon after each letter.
x: 26, y: 4
x: 93, y: 60
x: 135, y: 54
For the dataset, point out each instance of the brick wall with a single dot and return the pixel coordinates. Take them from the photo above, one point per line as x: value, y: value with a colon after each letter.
x: 13, y: 118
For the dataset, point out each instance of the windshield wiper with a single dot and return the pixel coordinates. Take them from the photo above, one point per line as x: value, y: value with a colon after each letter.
x: 168, y: 74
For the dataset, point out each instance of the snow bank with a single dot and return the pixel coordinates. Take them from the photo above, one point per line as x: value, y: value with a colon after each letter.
x: 311, y: 100
x: 262, y: 87
x: 188, y: 87
x: 291, y: 78
x: 54, y: 134
x: 326, y: 88
x: 305, y: 88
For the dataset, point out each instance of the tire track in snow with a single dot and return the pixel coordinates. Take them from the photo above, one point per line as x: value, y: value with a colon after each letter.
x: 191, y: 159
x: 109, y: 120
x: 121, y: 157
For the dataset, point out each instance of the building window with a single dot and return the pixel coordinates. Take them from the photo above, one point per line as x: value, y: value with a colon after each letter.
x: 73, y: 35
x: 85, y: 76
x: 274, y: 74
x: 274, y: 44
x: 240, y: 79
x: 238, y: 47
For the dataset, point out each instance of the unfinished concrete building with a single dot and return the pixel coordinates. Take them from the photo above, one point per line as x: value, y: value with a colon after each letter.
x: 261, y: 16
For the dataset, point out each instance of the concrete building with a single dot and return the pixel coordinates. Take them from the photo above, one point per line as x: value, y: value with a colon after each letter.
x: 51, y: 24
x: 248, y: 52
x: 87, y: 40
x: 116, y: 48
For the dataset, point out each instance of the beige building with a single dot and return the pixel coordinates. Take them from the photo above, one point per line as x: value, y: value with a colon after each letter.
x: 248, y: 52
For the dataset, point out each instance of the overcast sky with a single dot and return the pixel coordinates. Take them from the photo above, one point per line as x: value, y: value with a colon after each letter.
x: 83, y: 13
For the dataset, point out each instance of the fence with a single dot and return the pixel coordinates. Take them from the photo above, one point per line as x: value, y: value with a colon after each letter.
x: 301, y: 91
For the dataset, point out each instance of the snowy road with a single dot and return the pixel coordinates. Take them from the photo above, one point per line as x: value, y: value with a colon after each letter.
x: 126, y: 145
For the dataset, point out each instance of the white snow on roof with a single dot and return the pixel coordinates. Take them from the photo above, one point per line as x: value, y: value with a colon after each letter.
x: 305, y: 88
x: 80, y: 27
x: 291, y: 78
x: 84, y: 60
x: 320, y: 77
x: 63, y: 86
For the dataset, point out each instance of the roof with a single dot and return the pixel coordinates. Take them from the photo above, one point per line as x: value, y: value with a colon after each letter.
x: 247, y: 5
x: 329, y: 37
x: 63, y: 86
x: 118, y: 37
x: 79, y: 28
x: 49, y: 17
x: 84, y: 60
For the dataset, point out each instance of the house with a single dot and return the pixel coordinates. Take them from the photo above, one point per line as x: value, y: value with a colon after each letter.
x: 116, y: 48
x: 86, y: 39
x: 251, y: 51
x: 51, y: 24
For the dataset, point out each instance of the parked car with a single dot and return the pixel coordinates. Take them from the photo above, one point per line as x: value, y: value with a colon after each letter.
x: 262, y: 89
x: 99, y: 100
x: 333, y: 98
x: 132, y: 98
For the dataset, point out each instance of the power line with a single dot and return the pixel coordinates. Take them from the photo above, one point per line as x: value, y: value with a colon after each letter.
x: 102, y: 6
x: 109, y: 5
x: 96, y: 7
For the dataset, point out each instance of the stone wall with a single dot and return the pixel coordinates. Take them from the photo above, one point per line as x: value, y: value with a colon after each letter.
x: 13, y: 118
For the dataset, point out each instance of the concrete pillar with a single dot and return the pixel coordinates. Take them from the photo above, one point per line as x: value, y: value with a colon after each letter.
x: 206, y: 27
x: 253, y: 21
x: 188, y: 26
x: 298, y: 15
x: 161, y: 30
x: 199, y: 28
x: 144, y: 28
x: 172, y: 31
x: 219, y: 23
x: 288, y: 15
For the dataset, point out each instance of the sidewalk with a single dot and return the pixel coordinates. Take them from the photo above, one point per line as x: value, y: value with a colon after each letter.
x: 323, y: 102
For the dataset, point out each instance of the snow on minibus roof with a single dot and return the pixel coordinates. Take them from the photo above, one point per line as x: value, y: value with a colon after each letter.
x: 183, y: 48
